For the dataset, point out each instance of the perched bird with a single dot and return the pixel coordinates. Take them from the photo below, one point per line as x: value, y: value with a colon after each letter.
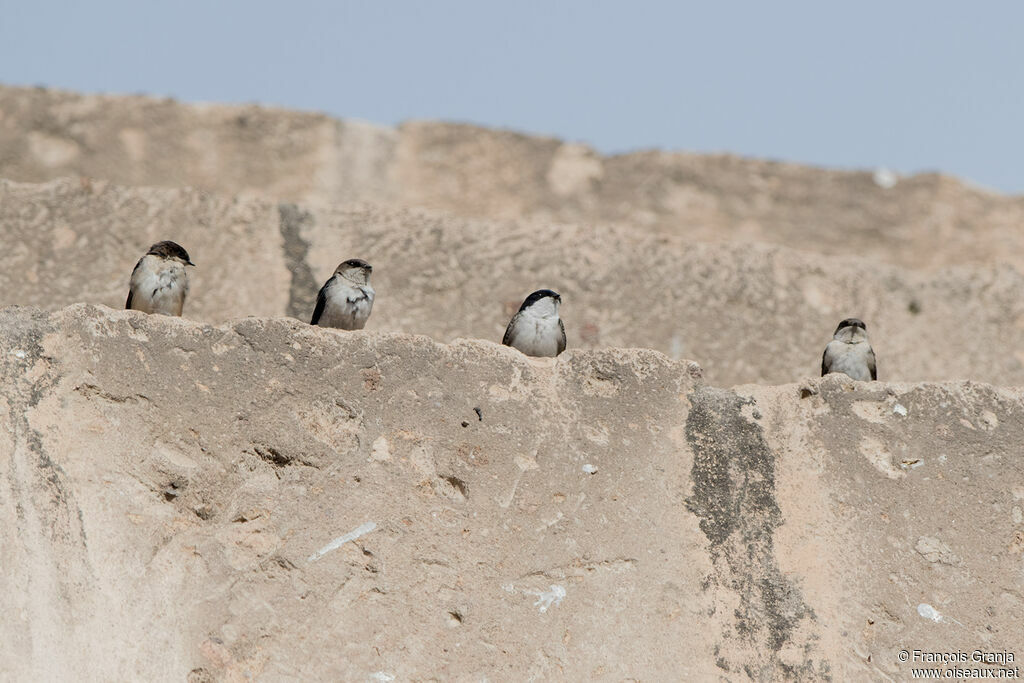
x: 159, y: 283
x: 346, y: 299
x: 536, y: 329
x: 849, y: 352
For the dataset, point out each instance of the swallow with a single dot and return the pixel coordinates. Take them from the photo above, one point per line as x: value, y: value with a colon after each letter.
x: 850, y: 353
x: 536, y: 329
x: 159, y: 283
x: 346, y: 299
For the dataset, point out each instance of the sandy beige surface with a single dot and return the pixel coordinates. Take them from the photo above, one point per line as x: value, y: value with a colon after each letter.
x: 748, y: 313
x: 173, y: 491
x: 235, y: 495
x: 921, y: 221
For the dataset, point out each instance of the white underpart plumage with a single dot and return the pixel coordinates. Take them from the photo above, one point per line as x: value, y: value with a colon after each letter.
x: 850, y: 359
x: 159, y: 285
x: 347, y: 304
x: 536, y: 331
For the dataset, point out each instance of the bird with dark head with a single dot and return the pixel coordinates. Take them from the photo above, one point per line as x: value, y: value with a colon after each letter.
x: 536, y: 329
x: 346, y: 299
x: 849, y: 352
x: 159, y: 282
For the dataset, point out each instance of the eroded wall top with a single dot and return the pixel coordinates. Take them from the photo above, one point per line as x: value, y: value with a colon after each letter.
x: 266, y: 499
x: 921, y: 221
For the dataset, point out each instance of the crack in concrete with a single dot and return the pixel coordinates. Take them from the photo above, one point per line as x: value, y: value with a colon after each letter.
x: 734, y: 497
x: 303, y: 288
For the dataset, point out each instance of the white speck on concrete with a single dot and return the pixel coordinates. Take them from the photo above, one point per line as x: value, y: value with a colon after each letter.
x: 550, y: 522
x: 380, y: 451
x: 899, y: 409
x: 545, y: 599
x: 360, y: 530
x: 929, y: 612
x: 19, y: 354
x: 589, y: 469
x: 885, y: 178
x: 382, y: 676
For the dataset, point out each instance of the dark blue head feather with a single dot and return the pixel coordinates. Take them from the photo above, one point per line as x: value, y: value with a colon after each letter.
x: 852, y: 322
x: 168, y: 249
x: 537, y: 296
x: 356, y: 263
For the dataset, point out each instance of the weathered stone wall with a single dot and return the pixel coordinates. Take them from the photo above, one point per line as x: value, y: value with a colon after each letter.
x: 922, y: 221
x: 171, y: 492
x: 747, y: 313
x: 223, y: 497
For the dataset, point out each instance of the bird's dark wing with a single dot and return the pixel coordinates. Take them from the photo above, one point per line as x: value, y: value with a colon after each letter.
x: 321, y: 301
x: 561, y: 339
x: 128, y: 303
x: 871, y: 364
x: 824, y: 365
x: 507, y: 339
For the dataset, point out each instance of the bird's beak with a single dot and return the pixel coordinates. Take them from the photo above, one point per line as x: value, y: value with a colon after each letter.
x: 189, y: 263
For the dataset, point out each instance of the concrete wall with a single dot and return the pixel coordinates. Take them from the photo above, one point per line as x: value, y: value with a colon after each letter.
x: 746, y: 313
x: 236, y: 495
x: 923, y: 221
x: 173, y: 491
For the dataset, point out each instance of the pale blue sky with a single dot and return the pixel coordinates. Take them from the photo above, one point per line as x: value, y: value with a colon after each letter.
x: 910, y: 85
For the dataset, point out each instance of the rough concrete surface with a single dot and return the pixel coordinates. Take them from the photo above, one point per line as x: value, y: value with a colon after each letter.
x: 173, y: 490
x: 922, y: 221
x: 235, y: 495
x: 747, y: 313
x: 78, y: 240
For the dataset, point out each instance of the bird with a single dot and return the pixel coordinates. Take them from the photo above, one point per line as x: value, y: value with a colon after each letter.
x: 850, y: 353
x: 159, y: 282
x: 536, y: 329
x: 346, y: 299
